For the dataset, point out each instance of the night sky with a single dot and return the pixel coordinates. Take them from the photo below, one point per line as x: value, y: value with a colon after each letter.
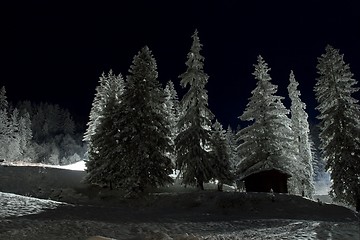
x: 55, y: 51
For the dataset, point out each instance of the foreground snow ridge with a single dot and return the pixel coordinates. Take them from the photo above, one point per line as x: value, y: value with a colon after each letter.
x: 13, y: 205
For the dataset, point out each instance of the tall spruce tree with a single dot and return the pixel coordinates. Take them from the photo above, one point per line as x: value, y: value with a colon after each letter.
x: 5, y: 133
x: 194, y: 139
x: 340, y: 125
x: 104, y: 160
x: 300, y: 127
x: 102, y: 95
x: 267, y: 143
x: 232, y: 148
x: 172, y: 109
x: 221, y: 161
x: 319, y: 165
x: 14, y: 148
x: 25, y: 135
x: 143, y: 136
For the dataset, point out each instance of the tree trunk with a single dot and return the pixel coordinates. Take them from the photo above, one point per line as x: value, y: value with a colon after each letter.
x: 358, y: 204
x: 200, y: 183
x: 220, y: 187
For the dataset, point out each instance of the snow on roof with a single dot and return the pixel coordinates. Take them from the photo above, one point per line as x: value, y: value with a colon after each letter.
x: 261, y: 167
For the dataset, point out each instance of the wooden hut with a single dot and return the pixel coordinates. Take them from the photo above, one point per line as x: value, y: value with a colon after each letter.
x: 266, y: 180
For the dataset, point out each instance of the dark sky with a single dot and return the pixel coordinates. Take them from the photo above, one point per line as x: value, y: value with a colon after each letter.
x: 55, y: 51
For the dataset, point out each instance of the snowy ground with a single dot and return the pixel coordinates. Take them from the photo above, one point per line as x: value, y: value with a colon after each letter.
x: 260, y: 229
x: 12, y: 205
x: 30, y: 218
x: 170, y: 214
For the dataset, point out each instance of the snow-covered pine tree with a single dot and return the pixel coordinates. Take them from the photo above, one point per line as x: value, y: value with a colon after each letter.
x: 339, y: 126
x: 4, y: 133
x: 172, y: 109
x: 38, y: 122
x: 103, y: 166
x: 4, y: 124
x: 194, y: 139
x: 68, y: 122
x: 267, y: 143
x: 143, y: 125
x: 25, y: 136
x: 14, y: 149
x: 100, y: 99
x: 221, y: 162
x: 232, y: 148
x: 320, y: 173
x: 3, y: 99
x: 299, y: 122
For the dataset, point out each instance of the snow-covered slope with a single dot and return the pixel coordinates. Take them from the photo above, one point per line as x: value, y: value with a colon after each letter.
x: 153, y: 221
x: 12, y: 205
x: 78, y: 166
x: 172, y: 213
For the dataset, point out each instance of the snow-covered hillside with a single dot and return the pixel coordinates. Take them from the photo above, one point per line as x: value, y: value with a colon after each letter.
x: 171, y: 213
x: 192, y: 219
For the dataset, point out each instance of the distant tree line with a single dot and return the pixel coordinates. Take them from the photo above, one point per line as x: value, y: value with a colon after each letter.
x: 39, y: 133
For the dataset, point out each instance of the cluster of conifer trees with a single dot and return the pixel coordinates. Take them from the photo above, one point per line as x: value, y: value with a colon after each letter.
x: 41, y: 133
x: 139, y: 133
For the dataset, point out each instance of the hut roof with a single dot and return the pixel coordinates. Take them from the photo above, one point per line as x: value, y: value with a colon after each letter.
x: 261, y: 167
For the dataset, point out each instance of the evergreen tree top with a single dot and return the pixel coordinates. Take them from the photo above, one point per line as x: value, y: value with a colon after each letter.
x: 294, y: 93
x: 261, y: 70
x: 110, y: 86
x: 263, y: 96
x: 194, y: 74
x: 139, y: 69
x: 335, y: 81
x: 171, y: 91
x: 332, y: 62
x: 218, y: 127
x: 3, y: 99
x: 293, y: 84
x: 194, y: 54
